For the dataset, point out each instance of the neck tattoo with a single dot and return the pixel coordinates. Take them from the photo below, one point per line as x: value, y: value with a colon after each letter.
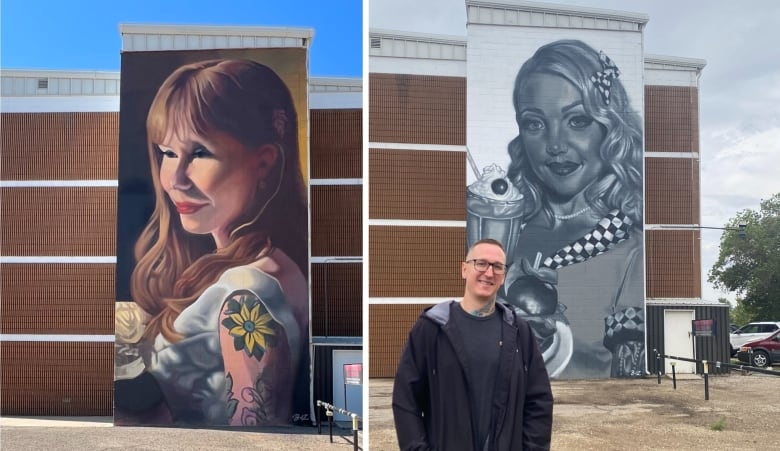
x: 571, y: 215
x: 486, y: 310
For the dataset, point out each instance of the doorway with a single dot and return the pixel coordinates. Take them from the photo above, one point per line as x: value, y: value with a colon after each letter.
x: 678, y: 340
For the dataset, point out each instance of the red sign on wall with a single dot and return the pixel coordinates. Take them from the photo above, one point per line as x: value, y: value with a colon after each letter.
x: 353, y: 374
x: 704, y: 327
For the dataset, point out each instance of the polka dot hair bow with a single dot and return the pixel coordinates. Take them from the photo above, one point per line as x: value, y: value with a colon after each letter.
x: 603, y: 79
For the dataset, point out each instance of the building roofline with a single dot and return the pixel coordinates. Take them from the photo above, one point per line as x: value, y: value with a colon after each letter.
x: 335, y: 83
x: 555, y: 8
x: 682, y: 62
x: 31, y: 85
x: 60, y: 73
x: 114, y: 75
x: 686, y: 302
x: 216, y: 30
x: 414, y: 36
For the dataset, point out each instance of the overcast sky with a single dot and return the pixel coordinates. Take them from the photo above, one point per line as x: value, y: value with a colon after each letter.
x: 739, y: 88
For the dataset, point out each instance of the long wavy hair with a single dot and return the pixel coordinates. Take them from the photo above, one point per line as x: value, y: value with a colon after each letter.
x: 248, y: 101
x: 620, y: 187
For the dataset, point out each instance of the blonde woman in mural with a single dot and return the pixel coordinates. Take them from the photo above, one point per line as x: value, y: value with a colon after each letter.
x: 221, y: 274
x: 577, y: 160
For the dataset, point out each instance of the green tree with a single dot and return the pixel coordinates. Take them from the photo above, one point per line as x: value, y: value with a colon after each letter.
x: 737, y: 313
x: 750, y: 265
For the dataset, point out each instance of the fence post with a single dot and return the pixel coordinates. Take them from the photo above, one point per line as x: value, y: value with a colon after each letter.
x: 674, y: 376
x: 355, y: 432
x: 706, y: 380
x: 329, y: 413
x: 658, y: 364
x: 319, y: 423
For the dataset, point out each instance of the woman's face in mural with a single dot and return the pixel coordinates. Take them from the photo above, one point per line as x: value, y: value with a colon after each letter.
x: 210, y: 180
x: 562, y: 141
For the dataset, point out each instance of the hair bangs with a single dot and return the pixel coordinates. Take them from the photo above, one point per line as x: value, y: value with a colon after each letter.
x: 185, y: 110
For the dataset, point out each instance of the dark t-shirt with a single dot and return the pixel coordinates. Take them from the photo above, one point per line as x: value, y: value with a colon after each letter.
x: 481, y: 337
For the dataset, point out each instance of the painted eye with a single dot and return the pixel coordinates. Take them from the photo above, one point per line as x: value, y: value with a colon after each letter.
x: 578, y: 122
x: 201, y: 152
x: 166, y: 153
x: 532, y: 125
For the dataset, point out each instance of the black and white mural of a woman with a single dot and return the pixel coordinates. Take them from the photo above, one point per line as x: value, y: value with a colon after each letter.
x: 569, y: 207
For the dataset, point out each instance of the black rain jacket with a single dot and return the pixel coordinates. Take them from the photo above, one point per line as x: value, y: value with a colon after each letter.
x: 430, y: 392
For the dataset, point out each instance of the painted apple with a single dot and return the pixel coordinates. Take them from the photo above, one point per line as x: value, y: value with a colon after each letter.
x: 533, y: 295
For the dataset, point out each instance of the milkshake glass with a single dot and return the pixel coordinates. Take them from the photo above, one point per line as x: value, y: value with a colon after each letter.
x: 494, y: 209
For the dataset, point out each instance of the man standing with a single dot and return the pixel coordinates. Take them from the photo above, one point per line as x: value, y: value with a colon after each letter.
x: 471, y: 376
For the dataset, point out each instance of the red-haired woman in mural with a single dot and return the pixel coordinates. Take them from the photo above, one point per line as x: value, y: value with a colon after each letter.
x: 577, y: 162
x: 221, y: 274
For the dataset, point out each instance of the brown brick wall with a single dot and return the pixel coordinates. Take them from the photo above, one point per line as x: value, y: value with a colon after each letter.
x: 389, y: 327
x: 337, y: 220
x: 57, y: 378
x: 417, y: 185
x: 62, y: 298
x: 336, y: 143
x: 671, y: 119
x: 672, y: 191
x: 76, y: 378
x: 59, y: 221
x: 59, y: 146
x: 337, y: 300
x: 673, y: 262
x: 416, y: 261
x: 417, y: 109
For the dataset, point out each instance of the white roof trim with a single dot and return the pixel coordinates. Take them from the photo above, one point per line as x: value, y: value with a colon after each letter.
x: 143, y: 38
x: 335, y: 84
x: 84, y: 91
x: 569, y: 10
x: 686, y: 302
x: 402, y: 44
x: 216, y: 30
x: 672, y: 62
x: 420, y: 37
x: 53, y: 73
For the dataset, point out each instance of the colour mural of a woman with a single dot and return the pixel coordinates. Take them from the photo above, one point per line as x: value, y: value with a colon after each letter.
x: 220, y: 282
x: 576, y: 173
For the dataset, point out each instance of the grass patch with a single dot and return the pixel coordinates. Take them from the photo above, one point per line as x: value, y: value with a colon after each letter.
x: 719, y: 425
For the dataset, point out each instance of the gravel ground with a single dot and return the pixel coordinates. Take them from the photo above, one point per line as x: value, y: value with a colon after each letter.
x: 743, y: 413
x: 99, y: 434
x: 639, y: 414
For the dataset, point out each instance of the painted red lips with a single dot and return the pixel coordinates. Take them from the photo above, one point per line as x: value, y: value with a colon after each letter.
x: 187, y: 208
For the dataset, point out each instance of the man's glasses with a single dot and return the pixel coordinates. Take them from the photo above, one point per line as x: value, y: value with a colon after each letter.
x: 483, y: 265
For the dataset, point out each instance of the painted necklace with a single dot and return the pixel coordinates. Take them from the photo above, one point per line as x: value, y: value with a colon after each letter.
x: 571, y: 215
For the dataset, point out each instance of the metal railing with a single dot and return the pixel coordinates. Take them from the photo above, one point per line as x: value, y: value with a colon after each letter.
x: 706, y: 366
x: 329, y: 409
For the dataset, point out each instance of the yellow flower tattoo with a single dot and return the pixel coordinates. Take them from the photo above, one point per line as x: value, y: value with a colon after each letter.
x: 253, y: 329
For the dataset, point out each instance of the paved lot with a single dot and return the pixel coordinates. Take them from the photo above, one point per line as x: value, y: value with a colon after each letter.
x: 98, y: 433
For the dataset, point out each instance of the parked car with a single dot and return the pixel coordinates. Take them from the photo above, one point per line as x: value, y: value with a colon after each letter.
x: 762, y: 352
x: 750, y: 332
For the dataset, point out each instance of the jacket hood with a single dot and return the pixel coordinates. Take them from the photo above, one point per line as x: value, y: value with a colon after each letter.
x: 440, y: 313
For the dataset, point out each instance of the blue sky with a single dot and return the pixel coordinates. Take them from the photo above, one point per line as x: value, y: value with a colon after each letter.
x: 84, y: 34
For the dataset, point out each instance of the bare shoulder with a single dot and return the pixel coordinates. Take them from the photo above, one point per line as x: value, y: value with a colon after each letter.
x: 292, y: 281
